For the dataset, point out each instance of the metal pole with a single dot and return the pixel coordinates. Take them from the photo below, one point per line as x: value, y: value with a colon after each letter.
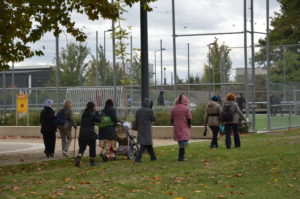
x: 165, y: 79
x: 284, y: 72
x: 57, y: 71
x: 144, y: 53
x: 97, y: 68
x: 161, y: 67
x: 155, y: 65
x: 4, y: 92
x: 104, y: 64
x: 210, y: 75
x: 114, y: 61
x: 253, y: 68
x: 245, y: 59
x: 222, y: 71
x: 188, y: 56
x: 131, y: 65
x: 13, y: 74
x: 174, y: 45
x: 268, y: 67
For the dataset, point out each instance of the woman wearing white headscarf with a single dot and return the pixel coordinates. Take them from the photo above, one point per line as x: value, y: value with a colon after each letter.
x: 48, y: 127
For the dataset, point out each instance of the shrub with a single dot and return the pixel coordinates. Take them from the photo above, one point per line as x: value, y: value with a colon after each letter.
x: 198, y: 115
x: 163, y: 117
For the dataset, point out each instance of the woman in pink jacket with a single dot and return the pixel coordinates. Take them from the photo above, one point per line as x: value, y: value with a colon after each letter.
x: 181, y: 118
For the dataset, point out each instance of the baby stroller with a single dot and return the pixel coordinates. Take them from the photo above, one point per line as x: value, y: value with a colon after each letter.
x: 127, y: 145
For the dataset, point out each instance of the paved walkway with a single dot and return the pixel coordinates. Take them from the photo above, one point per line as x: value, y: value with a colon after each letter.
x: 16, y: 150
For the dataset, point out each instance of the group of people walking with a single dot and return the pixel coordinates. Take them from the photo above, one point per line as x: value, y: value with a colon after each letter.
x: 181, y: 118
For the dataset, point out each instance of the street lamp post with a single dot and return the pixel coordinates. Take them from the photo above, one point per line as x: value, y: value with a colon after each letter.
x: 160, y: 50
x: 104, y: 52
x: 104, y: 41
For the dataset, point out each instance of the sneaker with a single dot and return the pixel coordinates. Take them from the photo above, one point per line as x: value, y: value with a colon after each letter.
x: 182, y: 159
x: 93, y: 163
x: 65, y: 154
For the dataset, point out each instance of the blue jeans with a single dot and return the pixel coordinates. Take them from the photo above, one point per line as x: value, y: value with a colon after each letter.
x: 234, y: 128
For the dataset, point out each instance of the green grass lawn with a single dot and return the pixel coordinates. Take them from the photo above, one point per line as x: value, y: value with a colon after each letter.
x: 266, y: 166
x: 277, y: 121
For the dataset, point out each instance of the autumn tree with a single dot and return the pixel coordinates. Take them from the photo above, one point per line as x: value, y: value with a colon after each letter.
x: 24, y: 22
x: 73, y: 65
x: 284, y: 43
x: 215, y: 69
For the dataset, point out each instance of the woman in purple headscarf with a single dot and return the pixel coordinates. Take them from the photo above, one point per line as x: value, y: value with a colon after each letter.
x: 48, y: 127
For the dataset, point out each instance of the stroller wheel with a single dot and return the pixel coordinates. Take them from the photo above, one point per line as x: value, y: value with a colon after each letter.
x: 133, y: 151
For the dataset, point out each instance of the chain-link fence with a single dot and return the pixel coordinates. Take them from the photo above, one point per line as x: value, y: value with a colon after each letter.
x: 284, y: 111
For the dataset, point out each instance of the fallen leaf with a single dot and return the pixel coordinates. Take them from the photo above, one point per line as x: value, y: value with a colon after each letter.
x: 291, y: 185
x: 238, y: 175
x: 220, y: 196
x: 134, y: 191
x: 59, y: 194
x: 206, y: 163
x: 206, y: 187
x: 198, y: 191
x: 15, y: 188
x: 105, y: 180
x: 71, y: 187
x: 38, y: 169
x: 242, y: 193
x: 158, y: 178
x: 170, y: 193
x: 33, y: 193
x: 14, y: 180
x: 231, y: 192
x: 179, y: 198
x: 67, y: 179
x: 274, y: 181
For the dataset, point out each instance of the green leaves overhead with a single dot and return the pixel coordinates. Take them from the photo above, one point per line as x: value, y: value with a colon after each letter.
x: 25, y: 21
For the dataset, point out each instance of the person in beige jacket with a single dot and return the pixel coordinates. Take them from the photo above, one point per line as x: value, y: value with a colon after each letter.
x: 65, y: 129
x: 212, y: 119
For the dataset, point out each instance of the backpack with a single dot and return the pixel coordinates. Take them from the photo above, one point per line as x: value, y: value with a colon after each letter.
x: 105, y: 121
x: 60, y: 118
x: 227, y: 114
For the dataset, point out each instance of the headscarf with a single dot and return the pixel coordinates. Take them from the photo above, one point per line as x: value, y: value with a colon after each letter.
x: 215, y: 98
x: 147, y: 103
x: 109, y: 103
x: 48, y: 103
x: 90, y: 106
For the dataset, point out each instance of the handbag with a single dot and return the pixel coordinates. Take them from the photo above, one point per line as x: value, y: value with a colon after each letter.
x: 134, y: 125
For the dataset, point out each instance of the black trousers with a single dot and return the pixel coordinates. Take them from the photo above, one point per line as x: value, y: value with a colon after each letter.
x: 214, y: 140
x: 142, y: 149
x: 92, y: 147
x: 234, y: 128
x: 49, y: 142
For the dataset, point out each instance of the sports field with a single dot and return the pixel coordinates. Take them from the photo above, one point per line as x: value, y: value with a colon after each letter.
x: 276, y: 121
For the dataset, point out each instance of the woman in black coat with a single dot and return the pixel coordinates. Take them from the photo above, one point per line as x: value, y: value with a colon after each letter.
x: 87, y: 134
x: 48, y: 127
x: 107, y: 132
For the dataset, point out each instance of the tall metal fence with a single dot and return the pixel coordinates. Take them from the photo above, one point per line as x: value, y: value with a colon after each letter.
x: 284, y: 111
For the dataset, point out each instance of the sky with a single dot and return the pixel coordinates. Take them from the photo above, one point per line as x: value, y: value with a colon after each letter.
x: 191, y: 16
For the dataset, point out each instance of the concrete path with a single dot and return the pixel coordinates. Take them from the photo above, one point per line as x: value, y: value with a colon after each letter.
x: 18, y: 150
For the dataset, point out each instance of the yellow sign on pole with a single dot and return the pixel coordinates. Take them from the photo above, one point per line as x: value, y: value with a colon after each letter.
x: 22, y: 103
